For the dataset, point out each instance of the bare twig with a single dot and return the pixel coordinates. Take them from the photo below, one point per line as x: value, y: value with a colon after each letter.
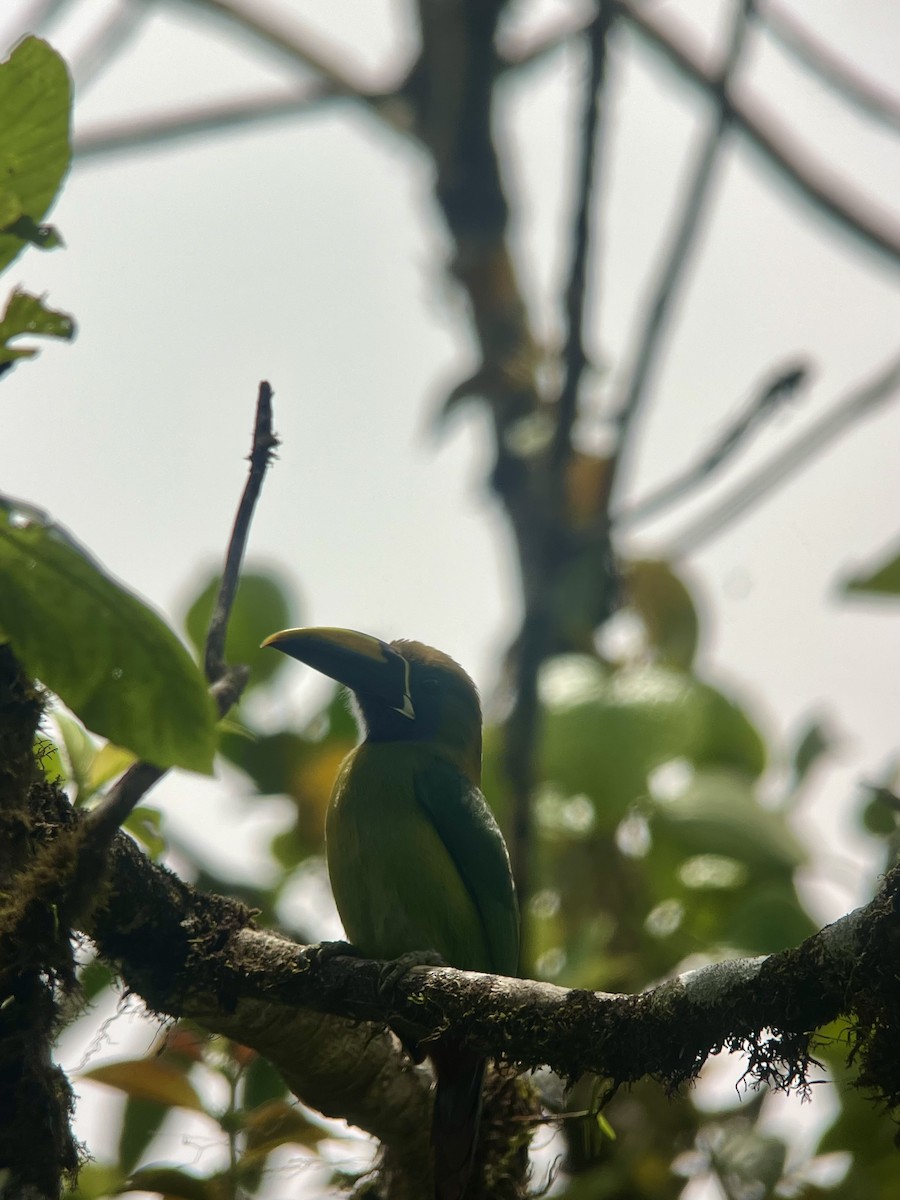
x: 115, y: 31
x: 574, y: 355
x: 226, y: 684
x: 860, y: 403
x: 42, y: 13
x: 766, y: 402
x: 120, y: 801
x: 118, y: 137
x: 812, y: 180
x: 535, y: 641
x: 264, y: 445
x: 829, y: 66
x: 301, y: 49
x: 693, y: 207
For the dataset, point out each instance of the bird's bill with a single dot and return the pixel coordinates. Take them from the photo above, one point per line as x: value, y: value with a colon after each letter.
x: 365, y: 664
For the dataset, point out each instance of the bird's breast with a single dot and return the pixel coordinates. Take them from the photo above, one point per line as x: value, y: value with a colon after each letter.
x: 396, y: 886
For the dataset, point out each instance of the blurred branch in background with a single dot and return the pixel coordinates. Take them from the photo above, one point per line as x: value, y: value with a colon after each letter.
x: 860, y: 403
x: 535, y: 641
x: 830, y: 67
x: 813, y: 180
x: 652, y: 325
x: 767, y: 401
x: 108, y: 40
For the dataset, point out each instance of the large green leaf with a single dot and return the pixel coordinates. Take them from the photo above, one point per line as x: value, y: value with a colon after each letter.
x: 108, y: 656
x: 35, y: 148
x: 717, y: 813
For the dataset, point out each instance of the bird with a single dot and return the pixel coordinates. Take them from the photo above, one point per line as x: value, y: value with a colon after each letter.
x: 416, y: 860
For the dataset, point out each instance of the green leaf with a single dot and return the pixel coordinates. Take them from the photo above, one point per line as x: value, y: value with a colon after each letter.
x: 883, y: 580
x: 45, y: 237
x: 96, y: 1181
x: 717, y: 813
x: 262, y: 1083
x: 141, y: 1122
x: 108, y: 763
x: 93, y: 978
x: 666, y: 609
x: 728, y: 738
x: 261, y: 607
x: 108, y: 656
x: 80, y: 749
x: 28, y: 314
x: 148, y: 1079
x: 604, y: 732
x: 277, y: 1123
x: 815, y: 741
x: 768, y: 919
x: 177, y: 1185
x: 145, y: 824
x: 35, y: 145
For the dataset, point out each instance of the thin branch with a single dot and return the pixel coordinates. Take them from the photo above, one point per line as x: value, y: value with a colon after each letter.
x: 696, y: 195
x: 42, y: 13
x: 117, y: 137
x: 830, y: 67
x: 767, y: 401
x: 114, y: 33
x: 862, y: 402
x: 535, y: 641
x: 574, y: 355
x: 304, y: 49
x: 813, y: 180
x: 261, y: 452
x: 226, y: 684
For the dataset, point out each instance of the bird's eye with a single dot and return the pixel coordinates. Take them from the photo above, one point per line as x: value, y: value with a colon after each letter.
x: 429, y: 684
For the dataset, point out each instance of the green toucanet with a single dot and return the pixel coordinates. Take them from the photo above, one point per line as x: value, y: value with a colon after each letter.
x: 415, y: 857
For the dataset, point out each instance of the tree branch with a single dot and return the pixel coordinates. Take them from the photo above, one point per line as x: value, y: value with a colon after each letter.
x: 197, y: 955
x: 861, y: 402
x: 116, y: 137
x: 536, y: 637
x: 811, y: 179
x: 815, y: 182
x: 693, y: 208
x: 832, y: 69
x: 226, y: 684
x: 767, y: 401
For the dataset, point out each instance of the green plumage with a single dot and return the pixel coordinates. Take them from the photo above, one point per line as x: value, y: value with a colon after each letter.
x: 415, y: 857
x: 417, y: 862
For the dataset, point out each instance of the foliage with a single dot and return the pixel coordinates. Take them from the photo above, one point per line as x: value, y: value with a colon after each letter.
x: 35, y: 151
x: 104, y: 652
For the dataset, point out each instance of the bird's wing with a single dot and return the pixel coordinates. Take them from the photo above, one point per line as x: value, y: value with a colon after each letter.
x: 460, y: 815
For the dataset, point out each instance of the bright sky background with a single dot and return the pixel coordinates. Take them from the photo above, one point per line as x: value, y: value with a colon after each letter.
x: 308, y: 252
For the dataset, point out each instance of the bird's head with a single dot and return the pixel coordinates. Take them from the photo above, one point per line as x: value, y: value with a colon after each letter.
x: 404, y: 691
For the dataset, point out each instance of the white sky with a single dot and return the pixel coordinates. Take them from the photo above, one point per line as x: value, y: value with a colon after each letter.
x: 308, y: 252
